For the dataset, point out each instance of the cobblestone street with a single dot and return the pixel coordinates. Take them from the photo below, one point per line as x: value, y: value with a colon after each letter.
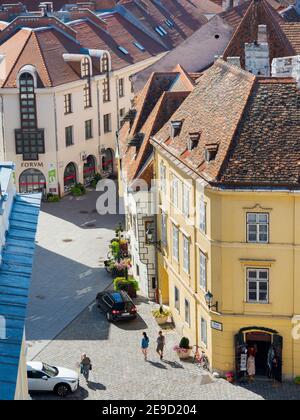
x: 119, y: 371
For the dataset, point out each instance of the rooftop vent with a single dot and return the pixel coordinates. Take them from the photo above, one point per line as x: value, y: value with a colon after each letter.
x: 211, y: 151
x: 175, y: 127
x: 193, y: 140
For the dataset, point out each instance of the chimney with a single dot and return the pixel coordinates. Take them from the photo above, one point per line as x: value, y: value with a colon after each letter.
x: 287, y: 67
x: 235, y: 61
x: 257, y: 54
x: 227, y: 4
x: 175, y: 127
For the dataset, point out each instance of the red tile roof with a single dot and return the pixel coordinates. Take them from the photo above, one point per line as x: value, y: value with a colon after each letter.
x: 119, y: 32
x: 258, y: 13
x: 252, y: 122
x: 155, y: 104
x: 187, y: 18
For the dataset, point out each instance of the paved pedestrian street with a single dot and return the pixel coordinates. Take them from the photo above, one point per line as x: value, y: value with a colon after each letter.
x: 64, y: 322
x: 119, y: 371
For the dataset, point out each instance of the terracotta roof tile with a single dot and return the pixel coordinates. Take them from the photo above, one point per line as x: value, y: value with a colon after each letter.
x: 252, y: 122
x: 292, y: 32
x: 259, y: 13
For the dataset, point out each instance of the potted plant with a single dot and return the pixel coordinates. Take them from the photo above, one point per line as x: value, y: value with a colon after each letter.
x: 161, y: 315
x: 229, y: 377
x: 183, y: 350
x: 129, y: 285
x: 53, y: 198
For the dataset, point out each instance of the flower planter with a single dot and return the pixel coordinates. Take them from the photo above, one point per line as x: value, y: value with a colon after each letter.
x: 162, y: 320
x: 184, y: 354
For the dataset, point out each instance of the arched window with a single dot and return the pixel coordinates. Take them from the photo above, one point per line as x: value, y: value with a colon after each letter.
x: 27, y: 101
x: 85, y: 67
x: 105, y: 63
x: 70, y: 177
x: 32, y: 180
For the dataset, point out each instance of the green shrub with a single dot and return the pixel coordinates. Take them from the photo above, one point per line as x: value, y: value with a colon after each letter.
x: 161, y: 312
x: 184, y: 343
x: 53, y: 199
x: 297, y: 380
x: 120, y: 283
x: 76, y: 192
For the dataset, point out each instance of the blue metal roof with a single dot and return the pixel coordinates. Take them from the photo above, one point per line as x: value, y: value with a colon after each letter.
x: 15, y: 277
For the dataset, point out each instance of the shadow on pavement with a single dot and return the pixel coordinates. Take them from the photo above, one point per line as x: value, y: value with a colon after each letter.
x: 133, y: 325
x: 82, y: 212
x: 174, y: 365
x: 95, y: 386
x: 157, y: 365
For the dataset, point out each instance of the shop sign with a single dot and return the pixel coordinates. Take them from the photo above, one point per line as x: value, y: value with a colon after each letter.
x: 32, y: 164
x: 52, y: 177
x: 243, y: 362
x: 217, y: 326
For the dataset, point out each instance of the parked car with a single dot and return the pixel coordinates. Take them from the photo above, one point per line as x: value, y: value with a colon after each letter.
x: 46, y: 378
x: 117, y: 306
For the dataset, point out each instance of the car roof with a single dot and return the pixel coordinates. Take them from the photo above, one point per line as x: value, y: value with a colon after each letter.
x: 34, y: 365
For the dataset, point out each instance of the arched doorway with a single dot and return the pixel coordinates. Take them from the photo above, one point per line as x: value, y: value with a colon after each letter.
x: 260, y: 342
x: 108, y: 162
x: 89, y: 170
x: 32, y: 181
x: 70, y: 177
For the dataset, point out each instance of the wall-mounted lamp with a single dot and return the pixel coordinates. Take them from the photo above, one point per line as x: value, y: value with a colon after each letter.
x: 209, y: 300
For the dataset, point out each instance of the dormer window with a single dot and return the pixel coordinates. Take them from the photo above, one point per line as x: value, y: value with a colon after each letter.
x: 211, y: 151
x: 175, y: 128
x: 193, y: 140
x: 85, y: 68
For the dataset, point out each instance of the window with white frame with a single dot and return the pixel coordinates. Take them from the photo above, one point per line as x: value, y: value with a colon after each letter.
x: 203, y: 271
x: 187, y: 312
x: 203, y: 332
x: 258, y: 227
x: 177, y: 298
x: 186, y: 201
x: 175, y: 192
x: 257, y: 285
x: 175, y: 243
x: 202, y: 215
x: 164, y: 232
x: 163, y: 178
x: 186, y: 254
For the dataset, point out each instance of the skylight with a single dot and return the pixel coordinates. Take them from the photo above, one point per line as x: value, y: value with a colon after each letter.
x: 161, y: 31
x: 139, y: 46
x: 123, y: 50
x: 169, y: 23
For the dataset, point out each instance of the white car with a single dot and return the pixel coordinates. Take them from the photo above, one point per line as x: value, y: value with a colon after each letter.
x: 44, y: 378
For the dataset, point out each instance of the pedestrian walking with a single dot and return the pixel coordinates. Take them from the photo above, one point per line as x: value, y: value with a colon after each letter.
x: 161, y: 342
x: 85, y: 366
x: 145, y: 345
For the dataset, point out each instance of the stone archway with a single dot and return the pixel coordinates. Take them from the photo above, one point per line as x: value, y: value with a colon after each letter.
x: 32, y: 181
x: 70, y: 177
x: 89, y: 170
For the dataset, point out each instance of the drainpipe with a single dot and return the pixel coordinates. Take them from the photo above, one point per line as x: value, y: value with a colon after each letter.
x: 158, y: 295
x: 99, y: 123
x: 3, y: 131
x: 56, y: 142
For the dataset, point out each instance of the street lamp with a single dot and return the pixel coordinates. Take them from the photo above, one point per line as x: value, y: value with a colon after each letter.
x: 209, y: 300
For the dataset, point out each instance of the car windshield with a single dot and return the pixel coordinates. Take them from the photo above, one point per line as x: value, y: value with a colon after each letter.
x: 50, y: 370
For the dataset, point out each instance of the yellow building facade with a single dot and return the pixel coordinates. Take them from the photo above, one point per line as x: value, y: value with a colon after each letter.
x: 243, y: 246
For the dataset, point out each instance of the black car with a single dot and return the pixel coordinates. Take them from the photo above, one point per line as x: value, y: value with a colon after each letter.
x: 117, y: 305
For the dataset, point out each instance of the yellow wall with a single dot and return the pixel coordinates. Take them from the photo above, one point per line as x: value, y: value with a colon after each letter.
x: 228, y: 257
